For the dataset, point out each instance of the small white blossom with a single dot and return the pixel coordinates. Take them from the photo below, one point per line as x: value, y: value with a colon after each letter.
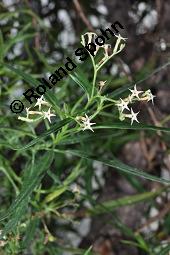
x: 86, y: 123
x: 76, y: 189
x: 101, y: 85
x: 121, y: 37
x: 133, y: 116
x: 149, y: 95
x: 48, y: 115
x: 135, y: 92
x: 123, y: 105
x: 41, y: 101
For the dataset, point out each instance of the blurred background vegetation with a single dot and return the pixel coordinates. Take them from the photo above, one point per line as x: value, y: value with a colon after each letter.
x: 54, y: 202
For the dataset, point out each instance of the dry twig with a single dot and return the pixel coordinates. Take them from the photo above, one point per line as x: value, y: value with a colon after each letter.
x: 82, y: 15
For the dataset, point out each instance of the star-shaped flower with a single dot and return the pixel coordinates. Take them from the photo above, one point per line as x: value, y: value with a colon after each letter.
x: 135, y: 92
x: 87, y: 124
x: 133, y: 116
x: 123, y: 105
x: 41, y: 101
x: 120, y: 37
x: 48, y: 115
x: 102, y: 83
x: 150, y: 96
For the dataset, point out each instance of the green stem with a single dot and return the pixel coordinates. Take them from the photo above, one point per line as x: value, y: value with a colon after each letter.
x: 94, y: 82
x: 94, y: 76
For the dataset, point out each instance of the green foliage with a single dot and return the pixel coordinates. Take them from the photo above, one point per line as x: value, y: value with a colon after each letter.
x: 41, y: 162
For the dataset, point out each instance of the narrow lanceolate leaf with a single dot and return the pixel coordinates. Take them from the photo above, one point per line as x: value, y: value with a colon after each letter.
x: 32, y: 178
x: 62, y: 188
x: 16, y: 216
x: 165, y: 250
x: 30, y: 233
x: 88, y: 252
x: 118, y: 165
x: 50, y: 97
x: 79, y: 78
x: 124, y: 125
x: 128, y: 200
x: 16, y: 39
x: 27, y: 77
x: 118, y: 92
x: 53, y: 129
x: 18, y: 131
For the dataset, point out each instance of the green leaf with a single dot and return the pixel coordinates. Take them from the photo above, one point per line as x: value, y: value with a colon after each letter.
x: 53, y: 129
x: 165, y: 250
x: 7, y: 15
x: 128, y: 200
x: 27, y: 77
x: 20, y: 132
x: 120, y: 166
x: 33, y: 82
x: 78, y: 138
x: 30, y: 232
x: 124, y: 125
x: 8, y: 172
x: 15, y: 40
x: 88, y: 252
x: 16, y: 216
x: 61, y: 189
x: 58, y: 191
x: 1, y: 46
x: 115, y: 94
x: 79, y: 78
x: 32, y: 178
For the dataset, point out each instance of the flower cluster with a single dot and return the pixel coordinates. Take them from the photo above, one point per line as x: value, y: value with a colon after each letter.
x: 123, y: 104
x: 42, y: 114
x: 107, y: 49
x: 85, y: 122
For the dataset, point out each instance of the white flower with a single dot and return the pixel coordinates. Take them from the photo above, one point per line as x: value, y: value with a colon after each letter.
x: 41, y: 101
x: 76, y: 189
x: 101, y: 85
x: 48, y: 115
x: 133, y: 116
x: 123, y: 105
x: 150, y: 96
x: 121, y: 37
x: 135, y: 92
x: 86, y: 123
